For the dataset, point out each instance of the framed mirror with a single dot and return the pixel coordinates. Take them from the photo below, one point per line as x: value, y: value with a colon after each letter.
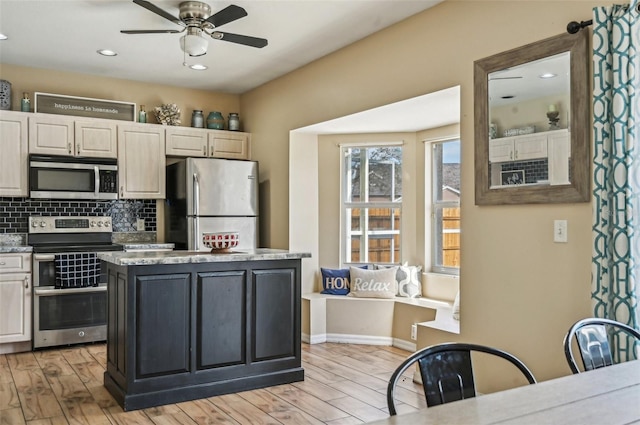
x: 532, y: 132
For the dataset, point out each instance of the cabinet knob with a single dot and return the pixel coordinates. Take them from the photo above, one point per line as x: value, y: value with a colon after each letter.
x: 69, y: 147
x: 26, y: 282
x: 2, y: 263
x: 78, y: 150
x: 204, y: 150
x: 121, y: 191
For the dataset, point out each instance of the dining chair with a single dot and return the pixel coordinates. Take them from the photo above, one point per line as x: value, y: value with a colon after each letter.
x: 447, y: 372
x: 593, y: 344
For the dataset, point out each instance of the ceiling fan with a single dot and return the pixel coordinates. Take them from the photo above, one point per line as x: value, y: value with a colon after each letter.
x: 196, y: 19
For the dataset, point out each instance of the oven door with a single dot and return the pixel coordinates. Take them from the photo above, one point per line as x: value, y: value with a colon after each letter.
x: 65, y: 316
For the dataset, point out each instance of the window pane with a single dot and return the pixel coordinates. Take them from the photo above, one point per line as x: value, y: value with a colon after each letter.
x: 373, y: 235
x: 382, y: 178
x: 446, y: 171
x: 446, y: 205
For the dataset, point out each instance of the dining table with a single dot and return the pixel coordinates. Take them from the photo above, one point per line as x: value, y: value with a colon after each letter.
x: 609, y: 395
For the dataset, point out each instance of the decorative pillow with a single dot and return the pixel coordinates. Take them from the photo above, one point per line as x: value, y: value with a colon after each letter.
x: 335, y: 281
x: 408, y: 278
x: 456, y: 307
x: 374, y: 283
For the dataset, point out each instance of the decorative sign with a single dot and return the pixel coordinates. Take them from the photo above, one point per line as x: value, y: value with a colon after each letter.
x: 512, y: 177
x: 84, y: 107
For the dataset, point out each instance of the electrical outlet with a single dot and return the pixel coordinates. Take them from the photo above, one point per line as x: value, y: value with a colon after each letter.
x: 140, y: 224
x: 560, y: 231
x: 414, y: 332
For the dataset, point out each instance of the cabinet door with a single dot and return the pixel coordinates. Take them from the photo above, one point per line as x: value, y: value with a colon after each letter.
x: 530, y: 147
x: 559, y: 147
x: 96, y: 139
x: 274, y: 314
x: 51, y: 135
x: 141, y: 161
x: 500, y: 150
x: 15, y: 263
x: 15, y: 307
x: 229, y: 144
x: 14, y: 158
x: 186, y: 142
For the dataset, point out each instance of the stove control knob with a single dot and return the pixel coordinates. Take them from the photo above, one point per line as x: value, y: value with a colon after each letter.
x: 93, y: 224
x: 43, y: 224
x: 106, y: 224
x: 34, y: 223
x: 99, y: 224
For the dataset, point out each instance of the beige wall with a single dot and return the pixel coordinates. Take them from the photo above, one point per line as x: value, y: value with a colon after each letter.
x: 151, y: 95
x: 520, y: 291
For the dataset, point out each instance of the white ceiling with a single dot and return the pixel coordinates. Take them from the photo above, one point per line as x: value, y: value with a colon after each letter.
x: 65, y: 35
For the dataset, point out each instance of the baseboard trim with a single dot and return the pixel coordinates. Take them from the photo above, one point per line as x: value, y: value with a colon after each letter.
x: 404, y: 345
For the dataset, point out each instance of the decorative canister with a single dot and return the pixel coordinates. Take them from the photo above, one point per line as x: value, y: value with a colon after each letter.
x: 197, y: 119
x: 5, y: 95
x: 215, y: 120
x: 234, y: 121
x: 25, y: 103
x: 142, y: 115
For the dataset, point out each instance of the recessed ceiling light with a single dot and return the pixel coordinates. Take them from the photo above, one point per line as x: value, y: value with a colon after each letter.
x: 198, y: 67
x: 107, y: 52
x: 547, y: 75
x: 3, y: 37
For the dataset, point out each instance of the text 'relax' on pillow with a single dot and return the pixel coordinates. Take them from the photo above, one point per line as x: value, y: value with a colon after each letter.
x: 335, y: 281
x: 373, y: 283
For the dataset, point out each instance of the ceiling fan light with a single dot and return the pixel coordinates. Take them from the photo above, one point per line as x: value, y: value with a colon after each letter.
x: 193, y: 44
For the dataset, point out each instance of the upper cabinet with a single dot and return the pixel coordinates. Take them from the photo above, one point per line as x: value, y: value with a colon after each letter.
x: 14, y: 157
x: 70, y: 136
x: 207, y: 143
x: 141, y: 161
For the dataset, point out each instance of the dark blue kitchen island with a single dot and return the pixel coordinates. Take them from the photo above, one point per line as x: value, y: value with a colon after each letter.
x: 185, y: 325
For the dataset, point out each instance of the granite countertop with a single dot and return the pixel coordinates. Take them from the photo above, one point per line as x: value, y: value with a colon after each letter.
x: 14, y: 242
x: 5, y: 249
x: 146, y: 245
x: 186, y: 257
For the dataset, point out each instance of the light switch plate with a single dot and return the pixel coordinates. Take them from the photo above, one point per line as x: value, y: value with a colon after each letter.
x: 560, y: 231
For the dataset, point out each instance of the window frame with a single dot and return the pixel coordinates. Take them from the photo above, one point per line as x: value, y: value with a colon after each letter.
x: 345, y: 239
x: 432, y: 247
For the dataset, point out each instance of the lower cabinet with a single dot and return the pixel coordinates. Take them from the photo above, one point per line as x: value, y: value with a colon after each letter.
x: 180, y: 332
x: 15, y: 298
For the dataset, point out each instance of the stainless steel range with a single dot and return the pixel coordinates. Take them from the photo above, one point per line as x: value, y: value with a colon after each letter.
x: 69, y: 292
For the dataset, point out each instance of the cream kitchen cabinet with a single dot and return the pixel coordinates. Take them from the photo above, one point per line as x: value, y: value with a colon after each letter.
x: 201, y: 143
x: 72, y: 136
x: 141, y: 161
x: 518, y: 148
x: 15, y: 156
x: 15, y: 297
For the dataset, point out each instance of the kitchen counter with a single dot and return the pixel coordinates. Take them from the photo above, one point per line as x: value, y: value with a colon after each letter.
x: 183, y: 325
x: 147, y: 246
x: 5, y: 249
x: 189, y: 257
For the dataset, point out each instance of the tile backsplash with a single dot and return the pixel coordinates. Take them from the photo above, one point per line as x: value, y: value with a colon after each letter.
x: 15, y: 212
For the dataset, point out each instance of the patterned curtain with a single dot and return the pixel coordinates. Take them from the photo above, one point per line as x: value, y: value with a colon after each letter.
x: 616, y: 215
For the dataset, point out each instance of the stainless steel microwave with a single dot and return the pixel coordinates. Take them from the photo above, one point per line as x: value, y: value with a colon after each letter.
x: 61, y: 177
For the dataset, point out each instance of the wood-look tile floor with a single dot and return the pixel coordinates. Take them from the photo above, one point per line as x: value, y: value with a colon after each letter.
x: 344, y: 384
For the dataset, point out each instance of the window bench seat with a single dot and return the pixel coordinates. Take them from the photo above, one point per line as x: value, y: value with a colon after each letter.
x: 374, y: 321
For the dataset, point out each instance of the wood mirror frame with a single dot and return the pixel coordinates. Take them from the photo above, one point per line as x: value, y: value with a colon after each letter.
x: 580, y: 131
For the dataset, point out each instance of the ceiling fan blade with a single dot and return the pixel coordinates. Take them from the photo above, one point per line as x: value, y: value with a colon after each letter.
x: 150, y: 31
x: 503, y: 78
x: 240, y: 39
x: 226, y: 15
x: 155, y: 9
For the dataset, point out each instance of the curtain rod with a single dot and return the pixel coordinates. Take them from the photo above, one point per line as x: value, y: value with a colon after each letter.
x: 573, y: 26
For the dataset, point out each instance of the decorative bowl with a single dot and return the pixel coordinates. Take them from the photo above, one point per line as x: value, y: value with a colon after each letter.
x: 220, y: 241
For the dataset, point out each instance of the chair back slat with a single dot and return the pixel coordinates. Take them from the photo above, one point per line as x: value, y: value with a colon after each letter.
x: 594, y: 346
x: 447, y: 376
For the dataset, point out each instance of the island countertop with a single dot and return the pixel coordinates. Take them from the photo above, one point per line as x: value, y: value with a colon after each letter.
x: 186, y: 257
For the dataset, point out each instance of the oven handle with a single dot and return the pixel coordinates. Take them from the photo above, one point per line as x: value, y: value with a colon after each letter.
x: 68, y: 291
x: 44, y: 257
x: 96, y: 181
